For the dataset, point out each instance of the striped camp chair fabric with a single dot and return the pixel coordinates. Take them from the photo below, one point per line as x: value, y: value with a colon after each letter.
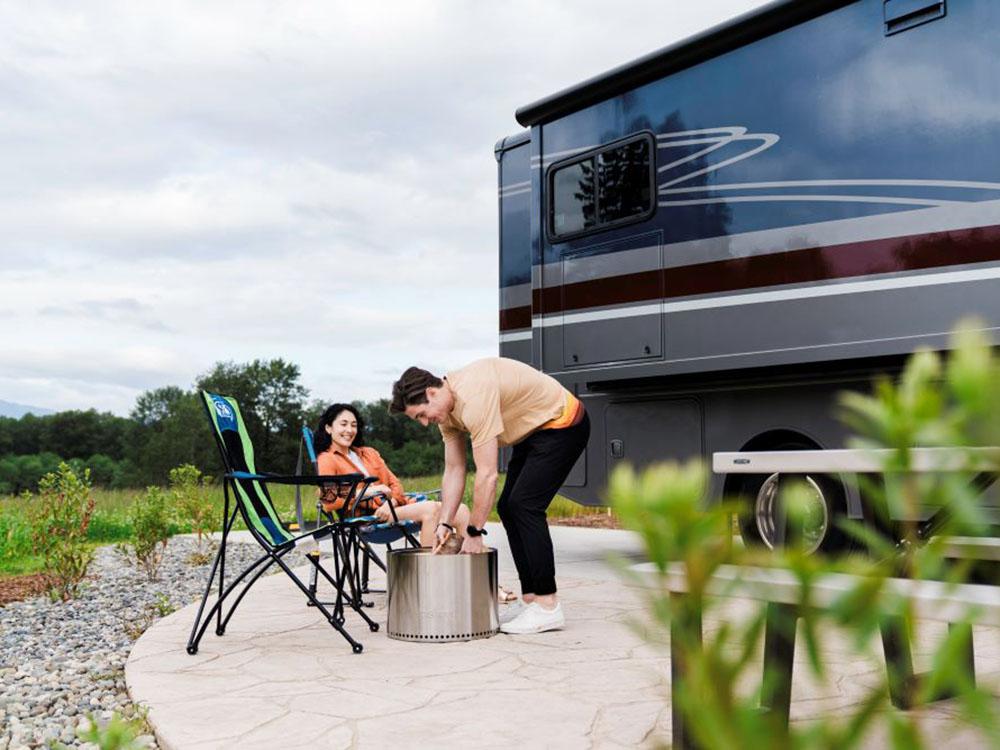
x: 224, y: 413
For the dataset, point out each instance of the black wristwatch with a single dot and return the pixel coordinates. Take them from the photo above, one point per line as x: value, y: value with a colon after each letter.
x: 473, y: 531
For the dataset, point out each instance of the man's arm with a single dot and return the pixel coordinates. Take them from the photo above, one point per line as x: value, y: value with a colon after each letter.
x: 484, y: 492
x: 453, y: 480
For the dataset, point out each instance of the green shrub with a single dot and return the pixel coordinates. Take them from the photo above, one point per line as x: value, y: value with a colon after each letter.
x: 150, y: 520
x: 59, y: 519
x: 196, y: 505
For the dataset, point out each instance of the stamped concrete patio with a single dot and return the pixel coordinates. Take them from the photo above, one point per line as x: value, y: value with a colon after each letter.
x: 282, y: 677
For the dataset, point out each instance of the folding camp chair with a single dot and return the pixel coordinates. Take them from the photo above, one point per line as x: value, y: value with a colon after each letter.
x: 253, y: 503
x: 370, y: 531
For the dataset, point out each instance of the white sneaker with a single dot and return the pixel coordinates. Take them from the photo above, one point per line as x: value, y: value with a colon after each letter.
x: 511, y: 610
x: 535, y: 619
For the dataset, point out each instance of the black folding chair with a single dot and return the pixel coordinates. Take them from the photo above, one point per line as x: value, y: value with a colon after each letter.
x: 369, y: 530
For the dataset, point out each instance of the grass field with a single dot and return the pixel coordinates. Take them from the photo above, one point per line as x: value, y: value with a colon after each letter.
x: 110, y: 524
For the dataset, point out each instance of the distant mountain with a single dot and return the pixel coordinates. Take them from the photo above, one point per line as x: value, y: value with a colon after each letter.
x: 9, y: 409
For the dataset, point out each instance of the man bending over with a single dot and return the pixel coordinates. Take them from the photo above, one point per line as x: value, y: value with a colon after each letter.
x: 501, y: 402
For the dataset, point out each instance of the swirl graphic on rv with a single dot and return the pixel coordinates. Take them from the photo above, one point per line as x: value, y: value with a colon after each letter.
x: 717, y: 139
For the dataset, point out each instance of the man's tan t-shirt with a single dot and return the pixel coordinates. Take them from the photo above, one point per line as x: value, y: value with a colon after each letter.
x: 503, y: 399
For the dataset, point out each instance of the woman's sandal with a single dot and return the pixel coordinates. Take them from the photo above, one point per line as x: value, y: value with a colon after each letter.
x: 505, y: 596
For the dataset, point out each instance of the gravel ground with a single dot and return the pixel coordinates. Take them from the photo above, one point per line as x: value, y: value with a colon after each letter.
x: 60, y: 661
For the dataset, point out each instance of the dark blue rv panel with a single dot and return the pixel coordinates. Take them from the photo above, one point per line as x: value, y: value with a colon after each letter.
x: 826, y: 199
x: 514, y: 160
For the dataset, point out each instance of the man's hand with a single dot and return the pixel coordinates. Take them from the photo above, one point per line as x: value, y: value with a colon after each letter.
x: 441, y: 535
x: 473, y: 545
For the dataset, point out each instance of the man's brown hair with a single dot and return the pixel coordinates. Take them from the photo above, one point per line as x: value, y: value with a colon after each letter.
x: 411, y: 389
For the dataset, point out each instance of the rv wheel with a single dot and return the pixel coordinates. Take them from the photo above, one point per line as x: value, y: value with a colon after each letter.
x: 762, y: 518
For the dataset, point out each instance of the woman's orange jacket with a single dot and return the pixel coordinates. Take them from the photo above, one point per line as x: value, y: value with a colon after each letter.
x: 334, y: 461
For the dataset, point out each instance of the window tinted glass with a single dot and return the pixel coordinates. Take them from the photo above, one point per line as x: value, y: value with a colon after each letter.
x: 573, y: 207
x: 601, y: 189
x: 623, y: 180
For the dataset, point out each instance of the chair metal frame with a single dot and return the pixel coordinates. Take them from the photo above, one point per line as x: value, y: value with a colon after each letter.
x: 363, y: 553
x: 242, y: 483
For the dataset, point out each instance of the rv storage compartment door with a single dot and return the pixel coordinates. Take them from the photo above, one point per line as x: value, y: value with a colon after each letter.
x: 611, y: 302
x: 645, y: 432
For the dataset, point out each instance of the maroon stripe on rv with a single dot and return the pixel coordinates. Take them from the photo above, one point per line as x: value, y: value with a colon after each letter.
x: 515, y: 317
x: 894, y: 255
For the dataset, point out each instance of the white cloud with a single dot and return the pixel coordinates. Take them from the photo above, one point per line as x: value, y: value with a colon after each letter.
x: 191, y: 182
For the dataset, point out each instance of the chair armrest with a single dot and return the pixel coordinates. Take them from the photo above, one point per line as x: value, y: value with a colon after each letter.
x: 340, y: 479
x: 358, y: 495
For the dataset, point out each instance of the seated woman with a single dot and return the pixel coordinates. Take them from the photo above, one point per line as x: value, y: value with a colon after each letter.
x: 340, y: 449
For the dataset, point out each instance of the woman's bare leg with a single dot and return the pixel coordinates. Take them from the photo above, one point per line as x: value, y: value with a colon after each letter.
x: 428, y: 514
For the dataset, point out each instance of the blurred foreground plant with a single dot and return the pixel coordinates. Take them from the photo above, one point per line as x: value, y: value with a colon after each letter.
x: 117, y: 733
x: 59, y: 519
x: 956, y: 403
x: 953, y: 403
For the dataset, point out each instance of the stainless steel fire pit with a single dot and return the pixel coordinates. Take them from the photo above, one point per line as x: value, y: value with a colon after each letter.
x: 442, y: 597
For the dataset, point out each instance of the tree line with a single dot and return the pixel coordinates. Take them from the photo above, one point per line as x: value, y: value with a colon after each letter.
x: 167, y: 427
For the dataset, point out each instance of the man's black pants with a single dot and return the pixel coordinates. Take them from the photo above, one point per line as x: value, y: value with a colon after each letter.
x: 539, y: 465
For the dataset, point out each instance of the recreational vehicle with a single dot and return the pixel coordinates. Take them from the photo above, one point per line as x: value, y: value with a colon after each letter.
x: 709, y: 243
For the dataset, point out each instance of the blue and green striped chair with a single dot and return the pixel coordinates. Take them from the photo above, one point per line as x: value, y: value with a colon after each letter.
x: 248, y: 489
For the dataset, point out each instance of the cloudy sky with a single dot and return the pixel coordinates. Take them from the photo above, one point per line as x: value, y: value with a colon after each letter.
x: 185, y: 183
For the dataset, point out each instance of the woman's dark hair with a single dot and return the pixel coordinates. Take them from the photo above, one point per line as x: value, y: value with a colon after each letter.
x: 321, y: 438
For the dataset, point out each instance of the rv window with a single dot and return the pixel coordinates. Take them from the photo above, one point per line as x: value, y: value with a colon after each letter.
x: 601, y: 189
x: 623, y: 179
x: 573, y: 198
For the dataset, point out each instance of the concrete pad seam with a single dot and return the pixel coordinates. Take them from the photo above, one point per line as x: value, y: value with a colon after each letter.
x: 287, y: 711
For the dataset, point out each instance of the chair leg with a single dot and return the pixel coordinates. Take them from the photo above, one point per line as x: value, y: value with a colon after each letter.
x: 343, y: 578
x: 372, y: 625
x: 312, y: 574
x: 222, y: 559
x: 192, y: 644
x: 338, y: 626
x: 246, y: 588
x: 313, y: 579
x: 358, y: 586
x: 779, y: 656
x: 197, y: 633
x: 371, y: 556
x: 364, y: 573
x: 218, y: 565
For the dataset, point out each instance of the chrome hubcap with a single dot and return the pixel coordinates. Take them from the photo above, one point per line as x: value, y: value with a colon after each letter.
x: 810, y: 529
